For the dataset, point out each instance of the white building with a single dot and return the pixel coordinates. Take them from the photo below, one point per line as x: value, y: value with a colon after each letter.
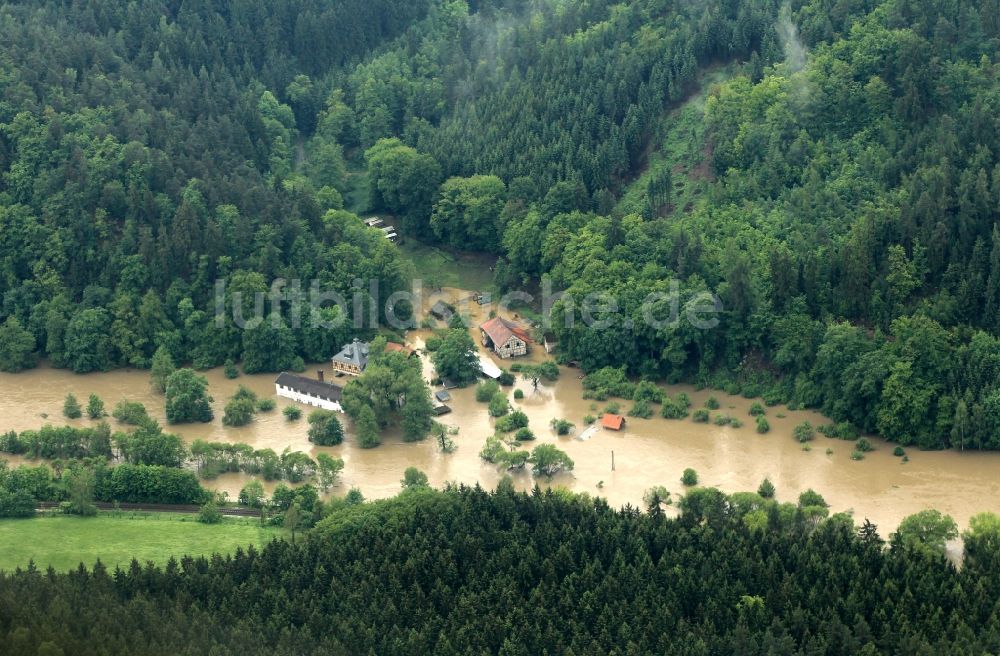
x: 316, y: 392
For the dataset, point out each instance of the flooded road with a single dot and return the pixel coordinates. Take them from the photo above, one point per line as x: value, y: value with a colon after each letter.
x: 646, y: 453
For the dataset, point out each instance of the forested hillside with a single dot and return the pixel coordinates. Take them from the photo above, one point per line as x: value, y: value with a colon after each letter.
x: 840, y: 190
x: 144, y: 154
x: 505, y: 573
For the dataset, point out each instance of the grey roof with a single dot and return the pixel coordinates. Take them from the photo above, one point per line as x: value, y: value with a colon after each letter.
x: 442, y: 395
x: 355, y: 353
x: 310, y: 386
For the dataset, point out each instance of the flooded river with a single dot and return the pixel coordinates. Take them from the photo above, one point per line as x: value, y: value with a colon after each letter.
x: 646, y: 453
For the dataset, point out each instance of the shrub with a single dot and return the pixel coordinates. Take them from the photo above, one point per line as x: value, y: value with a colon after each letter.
x: 735, y: 423
x: 506, y: 379
x: 762, y: 425
x: 641, y: 409
x: 252, y: 495
x: 844, y: 430
x: 518, y: 394
x: 499, y: 405
x: 766, y: 489
x: 210, y: 514
x: 899, y: 452
x: 239, y: 411
x: 804, y: 432
x: 700, y: 416
x: 857, y: 455
x: 613, y: 408
x: 292, y: 412
x: 413, y: 478
x: 773, y: 397
x: 648, y: 391
x: 561, y: 426
x: 95, y: 407
x: 811, y: 498
x: 863, y: 445
x: 524, y: 435
x: 325, y: 428
x: 683, y: 399
x: 230, y: 370
x: 266, y: 405
x: 608, y: 382
x: 689, y: 477
x: 486, y: 390
x: 512, y: 421
x: 672, y: 409
x: 130, y: 412
x: 547, y: 460
x: 71, y: 407
x: 721, y: 420
x: 712, y: 403
x: 432, y: 344
x: 494, y: 450
x: 757, y: 410
x: 589, y: 419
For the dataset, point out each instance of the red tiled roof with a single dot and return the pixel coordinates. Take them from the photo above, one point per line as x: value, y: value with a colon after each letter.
x: 500, y: 331
x: 614, y: 422
x: 394, y: 347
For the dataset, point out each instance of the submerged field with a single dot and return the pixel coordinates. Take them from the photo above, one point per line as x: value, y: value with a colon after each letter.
x: 63, y: 542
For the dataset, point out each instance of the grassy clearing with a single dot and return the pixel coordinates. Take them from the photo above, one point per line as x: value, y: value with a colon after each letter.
x: 63, y: 541
x: 678, y: 146
x: 437, y: 266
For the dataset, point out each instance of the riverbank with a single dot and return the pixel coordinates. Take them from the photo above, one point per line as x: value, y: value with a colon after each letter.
x: 647, y: 452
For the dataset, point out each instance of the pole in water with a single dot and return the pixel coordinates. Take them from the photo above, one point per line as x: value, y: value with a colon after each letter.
x: 612, y: 459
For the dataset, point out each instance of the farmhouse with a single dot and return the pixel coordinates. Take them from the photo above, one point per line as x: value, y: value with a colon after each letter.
x: 506, y: 338
x: 352, y: 359
x: 311, y: 391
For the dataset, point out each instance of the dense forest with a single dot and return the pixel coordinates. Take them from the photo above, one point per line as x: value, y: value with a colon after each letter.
x: 466, y: 571
x: 848, y: 183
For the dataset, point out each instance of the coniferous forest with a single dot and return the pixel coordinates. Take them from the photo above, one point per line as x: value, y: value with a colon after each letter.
x: 466, y: 571
x: 830, y: 171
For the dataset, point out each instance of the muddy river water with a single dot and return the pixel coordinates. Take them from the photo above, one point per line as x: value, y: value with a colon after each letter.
x: 646, y: 453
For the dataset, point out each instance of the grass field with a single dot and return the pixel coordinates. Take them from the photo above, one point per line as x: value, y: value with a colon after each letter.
x: 437, y: 266
x: 64, y: 542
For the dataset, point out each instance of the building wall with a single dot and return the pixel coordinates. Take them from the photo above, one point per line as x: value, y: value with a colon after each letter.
x: 512, y: 348
x: 306, y: 399
x: 349, y: 369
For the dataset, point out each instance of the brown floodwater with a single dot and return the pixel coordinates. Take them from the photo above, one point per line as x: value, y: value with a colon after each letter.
x: 646, y: 453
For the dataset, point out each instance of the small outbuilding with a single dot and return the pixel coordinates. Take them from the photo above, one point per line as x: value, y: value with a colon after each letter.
x: 613, y: 422
x: 396, y: 347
